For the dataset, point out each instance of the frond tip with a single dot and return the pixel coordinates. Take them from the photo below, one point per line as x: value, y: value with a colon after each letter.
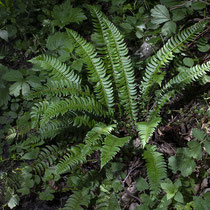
x: 156, y: 168
x: 146, y: 129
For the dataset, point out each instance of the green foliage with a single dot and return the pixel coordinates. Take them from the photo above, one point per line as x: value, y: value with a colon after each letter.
x: 65, y: 14
x: 95, y: 90
x: 156, y: 168
x: 77, y: 200
x: 111, y: 146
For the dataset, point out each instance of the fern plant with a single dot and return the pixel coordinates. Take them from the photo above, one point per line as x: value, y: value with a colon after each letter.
x: 111, y: 92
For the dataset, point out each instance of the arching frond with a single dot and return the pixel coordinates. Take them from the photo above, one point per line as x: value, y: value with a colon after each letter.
x: 59, y: 89
x: 122, y: 70
x: 97, y: 72
x: 156, y: 168
x: 165, y: 55
x: 73, y: 157
x: 58, y: 70
x: 188, y: 76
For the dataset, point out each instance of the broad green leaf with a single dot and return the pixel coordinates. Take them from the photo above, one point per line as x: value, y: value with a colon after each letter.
x: 13, y: 76
x: 160, y: 14
x: 198, y: 5
x: 188, y: 62
x: 60, y: 42
x: 25, y: 88
x: 179, y: 197
x: 169, y: 188
x: 65, y: 14
x: 4, y: 96
x: 168, y: 28
x: 31, y: 155
x: 34, y: 81
x: 179, y: 14
x: 47, y: 195
x: 198, y: 134
x: 195, y: 149
x: 77, y: 65
x: 182, y: 162
x: 207, y: 146
x: 14, y: 201
x: 141, y: 184
x: 4, y: 35
x: 15, y: 89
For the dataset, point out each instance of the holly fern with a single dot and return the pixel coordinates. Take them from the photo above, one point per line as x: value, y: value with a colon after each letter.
x: 110, y: 95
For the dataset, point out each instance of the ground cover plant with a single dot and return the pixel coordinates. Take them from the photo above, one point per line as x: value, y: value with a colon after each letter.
x: 86, y: 126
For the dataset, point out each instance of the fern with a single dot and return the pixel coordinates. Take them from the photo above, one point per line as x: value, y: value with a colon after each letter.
x: 122, y: 70
x: 156, y: 168
x: 47, y: 111
x: 97, y: 73
x: 77, y: 200
x: 188, y: 76
x: 110, y: 148
x: 60, y: 88
x: 146, y: 129
x: 177, y: 43
x: 59, y: 70
x: 73, y: 157
x: 46, y: 158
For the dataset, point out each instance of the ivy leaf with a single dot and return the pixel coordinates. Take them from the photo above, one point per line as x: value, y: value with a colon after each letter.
x: 168, y: 28
x: 14, y: 201
x: 195, y: 149
x: 160, y: 14
x: 65, y: 14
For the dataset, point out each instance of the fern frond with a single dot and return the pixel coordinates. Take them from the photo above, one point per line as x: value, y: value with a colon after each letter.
x: 73, y: 157
x: 60, y: 107
x: 146, y: 129
x: 96, y: 132
x: 46, y: 158
x: 188, y: 76
x: 111, y: 146
x: 166, y: 54
x: 59, y: 89
x: 59, y: 70
x: 97, y: 72
x: 102, y: 40
x: 159, y: 103
x: 77, y: 200
x: 37, y: 110
x: 122, y: 70
x: 156, y: 168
